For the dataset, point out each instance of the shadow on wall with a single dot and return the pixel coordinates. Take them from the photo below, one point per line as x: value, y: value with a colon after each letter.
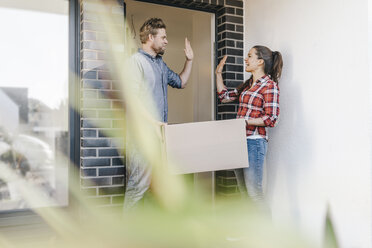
x: 290, y: 150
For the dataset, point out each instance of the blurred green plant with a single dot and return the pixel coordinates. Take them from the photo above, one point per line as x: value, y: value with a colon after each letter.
x: 175, y: 217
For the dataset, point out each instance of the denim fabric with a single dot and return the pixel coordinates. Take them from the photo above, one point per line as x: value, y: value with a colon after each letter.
x: 138, y: 180
x: 250, y: 179
x: 157, y: 76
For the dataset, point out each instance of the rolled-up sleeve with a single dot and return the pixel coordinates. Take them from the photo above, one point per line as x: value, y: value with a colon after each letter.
x: 227, y: 94
x: 271, y: 105
x: 174, y: 79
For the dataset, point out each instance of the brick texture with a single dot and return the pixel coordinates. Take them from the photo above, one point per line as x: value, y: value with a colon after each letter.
x: 102, y: 162
x: 102, y: 166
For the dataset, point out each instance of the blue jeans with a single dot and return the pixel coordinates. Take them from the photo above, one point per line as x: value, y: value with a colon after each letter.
x: 138, y: 180
x: 250, y: 179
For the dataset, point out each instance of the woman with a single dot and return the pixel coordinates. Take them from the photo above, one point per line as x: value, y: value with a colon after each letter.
x: 259, y: 106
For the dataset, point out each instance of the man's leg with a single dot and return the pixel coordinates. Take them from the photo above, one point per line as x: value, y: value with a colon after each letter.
x: 138, y: 180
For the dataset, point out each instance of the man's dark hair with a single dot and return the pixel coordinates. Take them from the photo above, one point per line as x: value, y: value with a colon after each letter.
x: 150, y: 26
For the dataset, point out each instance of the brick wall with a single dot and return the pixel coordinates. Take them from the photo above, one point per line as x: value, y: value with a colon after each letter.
x: 102, y: 167
x: 102, y: 162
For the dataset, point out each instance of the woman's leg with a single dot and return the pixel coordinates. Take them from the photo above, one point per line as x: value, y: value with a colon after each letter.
x: 239, y: 174
x: 253, y: 175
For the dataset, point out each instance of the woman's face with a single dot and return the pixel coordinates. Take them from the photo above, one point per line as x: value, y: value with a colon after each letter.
x: 252, y: 61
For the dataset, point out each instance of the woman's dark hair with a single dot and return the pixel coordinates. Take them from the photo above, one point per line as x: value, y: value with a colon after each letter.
x: 273, y: 62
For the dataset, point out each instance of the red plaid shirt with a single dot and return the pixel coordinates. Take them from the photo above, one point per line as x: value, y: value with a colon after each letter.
x: 260, y: 101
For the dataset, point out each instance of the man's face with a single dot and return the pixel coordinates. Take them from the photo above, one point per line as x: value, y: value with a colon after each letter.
x: 159, y: 41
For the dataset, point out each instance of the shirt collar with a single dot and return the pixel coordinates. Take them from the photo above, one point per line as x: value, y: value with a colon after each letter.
x: 263, y: 79
x: 140, y: 50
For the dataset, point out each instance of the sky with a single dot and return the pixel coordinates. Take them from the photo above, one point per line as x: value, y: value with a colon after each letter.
x: 34, y: 53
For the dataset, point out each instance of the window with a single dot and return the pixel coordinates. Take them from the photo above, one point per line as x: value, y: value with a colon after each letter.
x: 34, y: 136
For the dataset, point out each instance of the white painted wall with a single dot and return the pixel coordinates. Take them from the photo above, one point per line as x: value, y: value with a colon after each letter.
x: 320, y: 153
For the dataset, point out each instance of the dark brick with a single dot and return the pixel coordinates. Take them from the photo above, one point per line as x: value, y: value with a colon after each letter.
x: 96, y: 143
x: 227, y: 75
x: 225, y: 173
x: 239, y: 28
x: 233, y: 19
x: 230, y: 60
x: 88, y: 172
x: 104, y: 75
x: 91, y: 26
x: 231, y: 35
x: 228, y: 116
x: 238, y: 52
x: 111, y: 133
x: 226, y: 108
x: 111, y: 191
x: 234, y: 68
x: 89, y: 113
x: 89, y: 152
x: 103, y: 181
x: 89, y: 192
x: 240, y: 76
x: 109, y: 94
x: 100, y: 104
x: 239, y: 60
x: 117, y: 199
x: 90, y: 75
x: 94, y: 45
x: 94, y: 84
x: 239, y: 44
x: 86, y: 35
x: 117, y: 161
x: 97, y: 201
x: 90, y: 65
x: 112, y: 114
x: 108, y: 153
x: 226, y: 27
x: 89, y: 94
x: 232, y: 83
x: 96, y: 123
x: 236, y: 3
x: 88, y: 55
x: 117, y: 180
x: 230, y: 181
x: 118, y: 123
x: 239, y: 12
x: 227, y: 189
x: 89, y: 133
x: 226, y: 43
x: 89, y: 162
x: 117, y: 171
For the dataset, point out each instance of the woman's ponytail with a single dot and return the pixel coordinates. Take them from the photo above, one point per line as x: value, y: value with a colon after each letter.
x: 273, y: 62
x: 276, y: 70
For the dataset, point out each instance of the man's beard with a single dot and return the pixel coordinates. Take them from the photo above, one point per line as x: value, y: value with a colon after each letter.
x: 160, y: 51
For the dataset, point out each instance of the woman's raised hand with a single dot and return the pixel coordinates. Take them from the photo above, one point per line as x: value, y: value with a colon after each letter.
x: 221, y: 65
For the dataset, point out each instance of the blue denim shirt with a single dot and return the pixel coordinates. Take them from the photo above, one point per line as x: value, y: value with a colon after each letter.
x: 157, y: 76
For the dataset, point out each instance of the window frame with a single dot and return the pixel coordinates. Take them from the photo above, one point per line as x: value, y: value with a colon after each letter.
x: 22, y: 217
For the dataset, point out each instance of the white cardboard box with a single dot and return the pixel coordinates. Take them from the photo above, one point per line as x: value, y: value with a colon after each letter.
x: 206, y: 146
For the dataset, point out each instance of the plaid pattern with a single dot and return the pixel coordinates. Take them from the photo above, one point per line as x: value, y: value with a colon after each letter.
x: 261, y: 100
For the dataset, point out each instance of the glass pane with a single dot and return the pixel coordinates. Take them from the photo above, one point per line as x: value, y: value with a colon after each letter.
x: 33, y: 102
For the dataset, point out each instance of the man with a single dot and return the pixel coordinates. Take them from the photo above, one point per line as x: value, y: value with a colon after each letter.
x: 157, y: 76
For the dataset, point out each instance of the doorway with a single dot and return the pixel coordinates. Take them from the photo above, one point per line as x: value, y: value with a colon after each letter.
x: 197, y: 101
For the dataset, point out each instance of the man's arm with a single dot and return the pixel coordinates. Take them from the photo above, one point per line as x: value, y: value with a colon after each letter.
x: 185, y: 74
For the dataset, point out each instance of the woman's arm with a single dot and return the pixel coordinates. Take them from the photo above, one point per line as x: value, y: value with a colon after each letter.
x: 271, y: 108
x: 219, y: 80
x: 255, y: 122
